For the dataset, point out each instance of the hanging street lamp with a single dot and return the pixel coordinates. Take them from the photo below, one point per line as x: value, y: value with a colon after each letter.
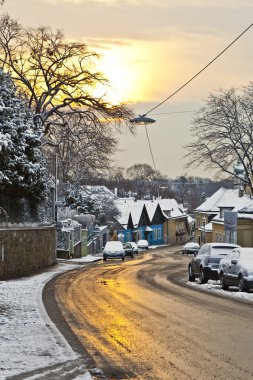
x: 142, y: 120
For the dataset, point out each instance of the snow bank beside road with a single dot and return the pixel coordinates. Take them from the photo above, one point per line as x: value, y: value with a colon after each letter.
x: 232, y: 292
x: 28, y: 339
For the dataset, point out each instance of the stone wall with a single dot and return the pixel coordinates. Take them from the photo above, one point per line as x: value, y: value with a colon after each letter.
x: 25, y: 250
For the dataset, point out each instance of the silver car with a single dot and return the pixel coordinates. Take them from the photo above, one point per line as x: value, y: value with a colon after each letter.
x: 236, y: 269
x: 191, y: 248
x: 205, y: 265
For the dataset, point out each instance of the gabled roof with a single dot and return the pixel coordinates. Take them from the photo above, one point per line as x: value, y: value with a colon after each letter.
x: 129, y: 206
x: 225, y: 198
x: 210, y: 203
x: 172, y: 206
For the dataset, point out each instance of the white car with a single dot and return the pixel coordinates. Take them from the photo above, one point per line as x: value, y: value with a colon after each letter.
x: 190, y: 247
x: 143, y: 244
x: 113, y: 250
x: 134, y: 246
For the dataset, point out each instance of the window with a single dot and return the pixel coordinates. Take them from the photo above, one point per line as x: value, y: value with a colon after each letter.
x: 159, y: 233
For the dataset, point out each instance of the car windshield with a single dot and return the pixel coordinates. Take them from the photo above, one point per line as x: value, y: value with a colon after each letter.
x: 221, y: 251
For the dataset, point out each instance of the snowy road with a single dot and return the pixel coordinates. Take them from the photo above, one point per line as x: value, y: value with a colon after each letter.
x: 141, y: 320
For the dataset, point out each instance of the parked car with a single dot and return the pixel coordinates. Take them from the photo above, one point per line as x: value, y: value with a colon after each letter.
x: 205, y: 265
x: 236, y: 269
x: 143, y: 244
x: 129, y: 251
x: 190, y: 247
x: 134, y: 246
x: 113, y: 250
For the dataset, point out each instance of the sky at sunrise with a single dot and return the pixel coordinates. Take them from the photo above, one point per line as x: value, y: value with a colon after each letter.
x: 149, y: 49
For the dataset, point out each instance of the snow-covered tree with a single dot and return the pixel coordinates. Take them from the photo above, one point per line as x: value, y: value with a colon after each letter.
x: 22, y: 166
x: 59, y: 78
x: 95, y: 200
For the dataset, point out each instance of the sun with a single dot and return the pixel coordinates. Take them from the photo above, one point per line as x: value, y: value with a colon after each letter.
x: 119, y: 65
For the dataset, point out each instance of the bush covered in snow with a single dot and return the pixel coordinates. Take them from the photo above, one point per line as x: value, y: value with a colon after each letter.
x: 22, y: 166
x: 95, y: 200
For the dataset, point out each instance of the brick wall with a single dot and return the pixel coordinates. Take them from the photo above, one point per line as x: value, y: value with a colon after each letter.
x: 26, y: 250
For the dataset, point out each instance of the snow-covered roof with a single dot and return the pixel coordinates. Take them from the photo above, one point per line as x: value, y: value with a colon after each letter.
x: 190, y: 219
x: 127, y: 207
x: 135, y: 207
x: 172, y: 206
x: 151, y: 207
x: 225, y: 198
x: 207, y: 228
x: 88, y: 189
x: 210, y: 203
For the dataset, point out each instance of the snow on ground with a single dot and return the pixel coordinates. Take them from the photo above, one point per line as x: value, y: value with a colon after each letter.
x: 30, y: 341
x: 214, y: 286
x: 28, y: 338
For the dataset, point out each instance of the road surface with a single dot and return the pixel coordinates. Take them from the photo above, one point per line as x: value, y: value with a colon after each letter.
x: 139, y: 319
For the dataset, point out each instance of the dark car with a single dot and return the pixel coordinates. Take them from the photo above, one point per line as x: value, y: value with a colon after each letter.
x: 190, y: 248
x: 205, y: 265
x: 236, y: 269
x: 129, y: 250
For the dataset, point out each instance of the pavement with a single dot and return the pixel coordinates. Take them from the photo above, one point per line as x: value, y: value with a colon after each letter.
x: 31, y: 347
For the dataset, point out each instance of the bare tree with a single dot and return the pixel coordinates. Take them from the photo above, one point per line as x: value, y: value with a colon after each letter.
x: 223, y: 134
x: 141, y: 172
x: 58, y: 77
x: 85, y: 147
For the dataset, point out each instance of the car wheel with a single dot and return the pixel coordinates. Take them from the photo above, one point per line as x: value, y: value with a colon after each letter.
x: 241, y: 284
x: 223, y: 285
x: 123, y: 258
x: 191, y: 276
x: 202, y: 277
x: 104, y: 258
x: 132, y: 255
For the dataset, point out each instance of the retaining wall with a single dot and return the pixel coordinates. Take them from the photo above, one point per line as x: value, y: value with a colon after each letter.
x: 25, y: 250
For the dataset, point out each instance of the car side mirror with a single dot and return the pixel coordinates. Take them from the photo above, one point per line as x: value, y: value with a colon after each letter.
x: 195, y: 253
x: 234, y: 261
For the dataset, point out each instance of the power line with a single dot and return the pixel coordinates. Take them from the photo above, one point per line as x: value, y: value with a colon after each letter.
x: 191, y: 79
x: 170, y: 113
x: 150, y: 147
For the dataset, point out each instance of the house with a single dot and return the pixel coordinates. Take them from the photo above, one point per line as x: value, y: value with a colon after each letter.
x: 154, y: 233
x: 210, y: 214
x: 176, y: 226
x: 159, y: 221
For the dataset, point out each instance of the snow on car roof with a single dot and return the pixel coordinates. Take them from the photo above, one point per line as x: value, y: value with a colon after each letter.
x: 191, y: 244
